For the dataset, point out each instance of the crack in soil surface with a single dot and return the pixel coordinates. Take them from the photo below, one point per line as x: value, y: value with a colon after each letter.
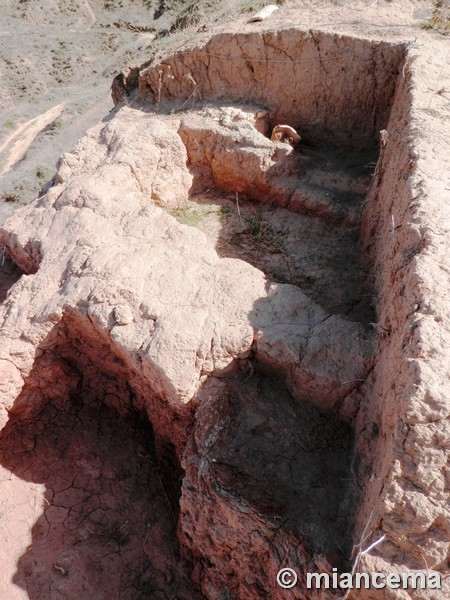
x: 87, y: 486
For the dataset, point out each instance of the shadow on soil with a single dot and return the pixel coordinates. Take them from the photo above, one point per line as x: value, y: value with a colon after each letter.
x: 286, y: 459
x: 9, y: 274
x: 314, y: 245
x: 107, y: 526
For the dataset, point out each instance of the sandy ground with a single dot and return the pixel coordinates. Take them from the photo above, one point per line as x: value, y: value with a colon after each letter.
x: 57, y: 61
x: 16, y: 145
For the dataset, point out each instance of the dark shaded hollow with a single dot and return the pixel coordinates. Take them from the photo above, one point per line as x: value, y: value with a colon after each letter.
x: 10, y: 273
x: 109, y: 517
x: 319, y: 255
x: 338, y: 105
x: 288, y: 460
x: 293, y: 215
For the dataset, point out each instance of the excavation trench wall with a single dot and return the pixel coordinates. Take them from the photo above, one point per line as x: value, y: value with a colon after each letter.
x: 160, y: 324
x: 341, y: 90
x: 77, y: 341
x: 80, y: 430
x: 390, y: 244
x: 325, y: 85
x: 401, y: 423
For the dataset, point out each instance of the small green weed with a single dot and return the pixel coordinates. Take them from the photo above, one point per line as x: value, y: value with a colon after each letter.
x: 265, y: 237
x: 10, y: 197
x: 261, y: 230
x: 54, y: 126
x: 222, y: 211
x: 9, y: 124
x: 187, y: 216
x: 43, y: 173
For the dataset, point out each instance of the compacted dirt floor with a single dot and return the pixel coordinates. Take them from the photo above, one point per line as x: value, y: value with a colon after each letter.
x: 319, y: 255
x: 105, y: 527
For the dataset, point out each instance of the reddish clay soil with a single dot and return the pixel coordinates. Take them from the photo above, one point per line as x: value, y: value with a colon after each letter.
x: 106, y: 527
x: 222, y: 355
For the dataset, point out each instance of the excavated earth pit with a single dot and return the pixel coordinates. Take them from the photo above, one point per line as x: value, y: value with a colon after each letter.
x: 277, y: 456
x: 195, y: 407
x: 105, y: 525
x: 321, y: 258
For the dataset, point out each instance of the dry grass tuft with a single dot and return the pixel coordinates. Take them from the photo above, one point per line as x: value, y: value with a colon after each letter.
x: 440, y: 19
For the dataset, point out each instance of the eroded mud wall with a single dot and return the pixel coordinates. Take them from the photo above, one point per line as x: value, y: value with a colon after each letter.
x: 400, y: 427
x: 320, y: 83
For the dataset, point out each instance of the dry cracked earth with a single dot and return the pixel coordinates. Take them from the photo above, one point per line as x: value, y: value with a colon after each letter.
x: 223, y: 354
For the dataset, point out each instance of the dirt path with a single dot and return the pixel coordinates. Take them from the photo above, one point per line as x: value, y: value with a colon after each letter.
x: 89, y: 10
x: 16, y: 145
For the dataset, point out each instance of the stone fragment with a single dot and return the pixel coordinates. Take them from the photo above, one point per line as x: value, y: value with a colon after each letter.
x: 123, y: 314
